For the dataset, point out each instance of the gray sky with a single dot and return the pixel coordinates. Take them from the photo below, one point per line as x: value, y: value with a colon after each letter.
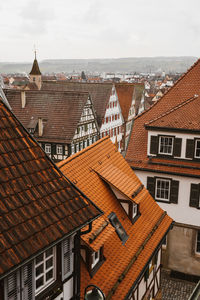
x: 98, y: 28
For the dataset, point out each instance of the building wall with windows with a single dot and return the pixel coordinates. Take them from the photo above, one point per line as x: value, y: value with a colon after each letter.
x: 182, y: 251
x: 49, y: 274
x: 113, y: 121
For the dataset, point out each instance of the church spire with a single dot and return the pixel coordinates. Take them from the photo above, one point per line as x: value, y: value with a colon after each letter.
x: 35, y: 74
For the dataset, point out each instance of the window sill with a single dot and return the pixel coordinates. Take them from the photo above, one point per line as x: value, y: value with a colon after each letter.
x: 51, y: 291
x: 163, y: 201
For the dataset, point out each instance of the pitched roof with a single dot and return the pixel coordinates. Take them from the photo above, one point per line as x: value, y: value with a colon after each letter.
x: 89, y: 168
x: 35, y: 68
x: 125, y: 96
x: 184, y: 116
x: 38, y: 204
x: 61, y: 111
x: 184, y: 89
x: 100, y: 93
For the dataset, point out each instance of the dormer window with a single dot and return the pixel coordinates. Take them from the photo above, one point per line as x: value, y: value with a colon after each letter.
x: 135, y: 210
x: 166, y: 145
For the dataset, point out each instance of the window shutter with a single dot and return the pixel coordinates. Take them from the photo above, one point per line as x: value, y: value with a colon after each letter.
x: 177, y: 147
x: 189, y: 148
x: 194, y: 195
x: 174, y: 191
x: 67, y: 257
x: 27, y: 282
x: 12, y: 286
x: 154, y: 144
x: 151, y: 186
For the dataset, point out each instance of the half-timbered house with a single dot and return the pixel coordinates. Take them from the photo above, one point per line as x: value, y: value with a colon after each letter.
x: 122, y: 253
x: 106, y: 105
x: 41, y: 215
x: 62, y: 122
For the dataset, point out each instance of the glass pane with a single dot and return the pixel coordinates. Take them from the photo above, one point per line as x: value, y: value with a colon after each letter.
x: 39, y: 258
x: 39, y: 270
x: 49, y: 263
x: 39, y: 282
x: 49, y: 275
x: 49, y: 252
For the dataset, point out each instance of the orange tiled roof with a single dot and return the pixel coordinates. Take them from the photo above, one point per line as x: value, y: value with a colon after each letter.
x: 38, y: 205
x: 184, y: 89
x: 84, y: 168
x: 125, y: 95
x: 184, y: 116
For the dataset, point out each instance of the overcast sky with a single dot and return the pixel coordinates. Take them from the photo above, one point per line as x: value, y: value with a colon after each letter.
x: 98, y: 28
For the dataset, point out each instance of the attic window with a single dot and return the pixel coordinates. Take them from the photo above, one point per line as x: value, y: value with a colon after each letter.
x: 118, y: 227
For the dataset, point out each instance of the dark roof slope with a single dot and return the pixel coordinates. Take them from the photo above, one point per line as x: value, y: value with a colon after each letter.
x: 100, y: 93
x: 38, y: 204
x: 60, y: 111
x: 184, y: 89
x: 35, y: 68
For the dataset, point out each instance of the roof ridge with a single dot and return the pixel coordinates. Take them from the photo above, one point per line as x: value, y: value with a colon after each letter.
x: 180, y: 78
x: 45, y: 91
x: 65, y: 161
x: 173, y: 109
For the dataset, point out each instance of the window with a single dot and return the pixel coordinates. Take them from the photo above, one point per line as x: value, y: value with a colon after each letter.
x: 95, y: 258
x: 48, y: 148
x: 162, y: 189
x: 118, y: 227
x: 45, y: 269
x: 198, y: 242
x: 164, y: 243
x: 134, y: 211
x: 72, y: 147
x: 197, y: 148
x: 165, y: 145
x: 59, y: 149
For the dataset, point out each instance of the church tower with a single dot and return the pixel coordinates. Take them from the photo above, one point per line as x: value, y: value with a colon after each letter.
x: 35, y: 75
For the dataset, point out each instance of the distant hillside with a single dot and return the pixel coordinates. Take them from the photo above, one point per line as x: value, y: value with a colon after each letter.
x: 131, y: 64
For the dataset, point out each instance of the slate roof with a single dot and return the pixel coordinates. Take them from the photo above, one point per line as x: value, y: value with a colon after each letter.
x: 100, y: 93
x: 183, y: 90
x: 61, y: 112
x: 35, y: 68
x: 87, y: 168
x: 38, y: 204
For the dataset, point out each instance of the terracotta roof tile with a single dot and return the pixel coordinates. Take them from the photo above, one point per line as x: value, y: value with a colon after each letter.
x: 125, y: 95
x: 38, y: 205
x: 83, y: 168
x: 183, y: 90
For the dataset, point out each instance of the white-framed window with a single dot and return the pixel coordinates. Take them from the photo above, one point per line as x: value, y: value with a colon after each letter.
x: 72, y: 148
x: 77, y: 147
x: 67, y: 257
x: 45, y: 269
x: 162, y: 191
x: 166, y: 145
x: 48, y: 148
x: 59, y: 149
x: 81, y: 145
x: 197, y: 250
x: 197, y: 148
x: 95, y: 258
x: 134, y: 210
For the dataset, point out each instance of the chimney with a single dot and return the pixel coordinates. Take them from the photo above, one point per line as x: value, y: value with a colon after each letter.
x: 23, y: 98
x: 40, y: 127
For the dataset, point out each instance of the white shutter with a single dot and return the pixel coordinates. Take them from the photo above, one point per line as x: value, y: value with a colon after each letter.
x: 12, y: 286
x: 67, y: 257
x: 27, y: 282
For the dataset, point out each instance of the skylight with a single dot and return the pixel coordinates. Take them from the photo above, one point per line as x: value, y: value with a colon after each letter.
x: 118, y: 227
